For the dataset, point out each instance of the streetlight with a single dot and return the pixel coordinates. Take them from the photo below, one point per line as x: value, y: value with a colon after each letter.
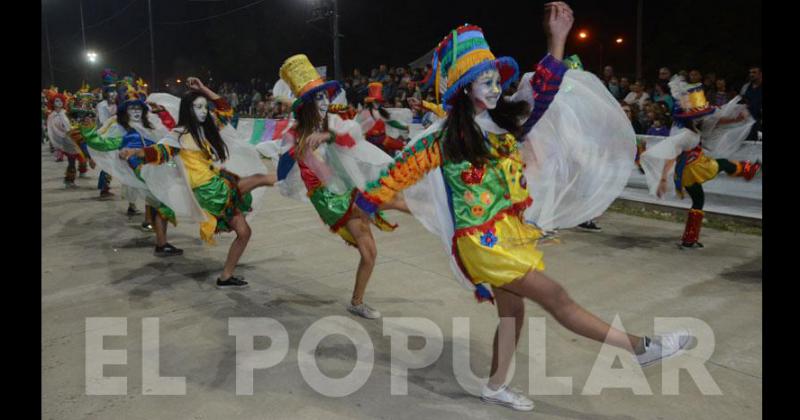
x: 583, y: 36
x: 91, y: 56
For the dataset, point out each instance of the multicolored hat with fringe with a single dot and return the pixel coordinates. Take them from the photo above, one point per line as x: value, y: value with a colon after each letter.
x: 461, y: 57
x: 304, y: 80
x: 375, y: 93
x: 690, y: 100
x: 135, y: 94
x: 110, y: 79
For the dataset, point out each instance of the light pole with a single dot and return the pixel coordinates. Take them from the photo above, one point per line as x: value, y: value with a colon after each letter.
x: 83, y: 36
x: 337, y: 68
x: 639, y: 7
x: 583, y: 36
x: 47, y: 41
x: 152, y: 46
x: 321, y: 12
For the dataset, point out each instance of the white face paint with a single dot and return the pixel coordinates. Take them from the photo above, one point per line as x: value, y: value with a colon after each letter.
x: 321, y: 99
x: 57, y: 104
x: 200, y: 108
x: 485, y: 90
x: 135, y: 113
x: 112, y: 97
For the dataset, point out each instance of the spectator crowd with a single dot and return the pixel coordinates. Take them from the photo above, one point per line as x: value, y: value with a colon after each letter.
x: 649, y: 105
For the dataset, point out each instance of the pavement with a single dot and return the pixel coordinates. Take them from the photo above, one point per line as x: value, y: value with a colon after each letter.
x: 96, y: 263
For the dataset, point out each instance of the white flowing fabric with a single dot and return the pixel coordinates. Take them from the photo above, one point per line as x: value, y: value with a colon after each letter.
x: 169, y: 181
x: 579, y: 155
x: 654, y: 158
x: 341, y: 168
x: 110, y: 162
x: 722, y: 141
x: 58, y: 126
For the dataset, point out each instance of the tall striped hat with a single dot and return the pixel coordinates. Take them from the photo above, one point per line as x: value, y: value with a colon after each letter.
x: 461, y: 57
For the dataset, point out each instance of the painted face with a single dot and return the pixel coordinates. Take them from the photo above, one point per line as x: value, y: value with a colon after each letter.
x: 135, y: 113
x: 485, y: 90
x: 57, y: 104
x: 112, y: 97
x: 200, y: 108
x: 321, y: 99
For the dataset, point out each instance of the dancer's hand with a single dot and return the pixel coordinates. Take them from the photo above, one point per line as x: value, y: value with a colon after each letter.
x: 195, y: 84
x: 92, y: 163
x: 662, y: 188
x: 414, y: 103
x: 316, y: 139
x: 558, y: 21
x: 125, y: 154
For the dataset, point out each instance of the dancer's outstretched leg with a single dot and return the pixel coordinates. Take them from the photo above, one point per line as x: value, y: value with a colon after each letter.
x: 249, y: 183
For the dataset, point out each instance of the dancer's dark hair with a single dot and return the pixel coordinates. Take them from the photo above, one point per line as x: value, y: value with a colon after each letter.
x: 188, y: 120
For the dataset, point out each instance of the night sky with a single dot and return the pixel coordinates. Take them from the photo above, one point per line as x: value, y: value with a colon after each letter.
x: 711, y: 35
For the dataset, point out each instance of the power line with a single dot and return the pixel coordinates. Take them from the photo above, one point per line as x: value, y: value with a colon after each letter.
x: 121, y: 11
x: 210, y: 17
x: 66, y: 38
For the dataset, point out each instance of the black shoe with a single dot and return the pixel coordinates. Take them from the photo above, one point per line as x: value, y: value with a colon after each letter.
x: 133, y: 212
x: 147, y: 227
x: 691, y: 245
x: 167, y: 251
x: 233, y: 282
x: 590, y: 226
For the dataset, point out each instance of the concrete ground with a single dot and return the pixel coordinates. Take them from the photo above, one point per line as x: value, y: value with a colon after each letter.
x: 96, y: 263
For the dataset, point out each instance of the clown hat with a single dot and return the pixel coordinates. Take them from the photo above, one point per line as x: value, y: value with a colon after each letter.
x: 304, y: 80
x: 461, y: 57
x: 51, y: 95
x: 133, y: 95
x: 690, y: 100
x: 375, y: 93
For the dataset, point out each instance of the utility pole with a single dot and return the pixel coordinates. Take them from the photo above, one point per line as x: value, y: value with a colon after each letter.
x: 47, y: 42
x: 83, y: 35
x: 639, y: 39
x: 153, y: 81
x: 336, y: 63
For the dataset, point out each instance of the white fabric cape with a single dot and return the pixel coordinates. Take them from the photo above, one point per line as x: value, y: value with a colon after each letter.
x: 579, y: 157
x: 169, y: 182
x: 340, y: 168
x: 58, y: 125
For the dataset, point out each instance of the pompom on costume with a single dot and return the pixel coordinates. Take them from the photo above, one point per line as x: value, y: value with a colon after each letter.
x: 575, y: 155
x: 694, y: 163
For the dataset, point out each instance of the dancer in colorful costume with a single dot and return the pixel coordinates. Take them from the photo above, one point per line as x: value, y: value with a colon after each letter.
x: 58, y: 128
x: 133, y: 126
x: 388, y: 129
x: 327, y: 158
x: 471, y: 177
x: 205, y: 171
x: 697, y: 150
x: 105, y: 110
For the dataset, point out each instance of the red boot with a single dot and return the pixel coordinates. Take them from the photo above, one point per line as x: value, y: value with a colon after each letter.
x: 750, y: 170
x: 691, y: 233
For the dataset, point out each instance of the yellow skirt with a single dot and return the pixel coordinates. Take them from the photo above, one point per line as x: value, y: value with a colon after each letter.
x: 699, y: 171
x: 501, y: 254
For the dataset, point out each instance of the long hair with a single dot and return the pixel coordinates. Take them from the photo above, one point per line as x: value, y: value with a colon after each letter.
x: 124, y: 120
x: 188, y: 120
x: 308, y: 119
x: 381, y: 110
x: 463, y: 139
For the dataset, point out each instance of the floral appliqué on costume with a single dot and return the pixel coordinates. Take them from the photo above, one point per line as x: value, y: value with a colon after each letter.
x: 489, y: 239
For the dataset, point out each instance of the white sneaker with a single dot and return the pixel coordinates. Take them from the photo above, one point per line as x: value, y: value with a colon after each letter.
x: 504, y: 396
x: 364, y: 311
x: 664, y: 347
